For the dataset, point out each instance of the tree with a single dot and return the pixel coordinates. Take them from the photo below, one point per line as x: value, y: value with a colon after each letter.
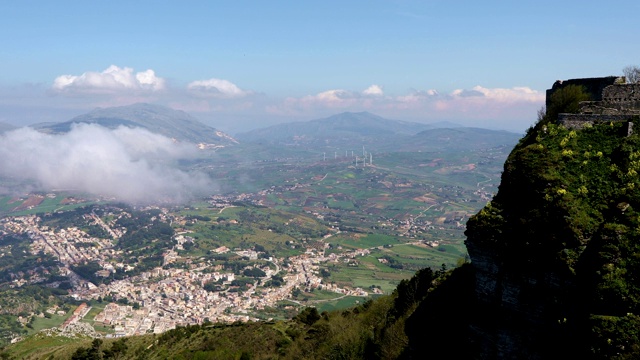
x: 118, y: 349
x: 92, y: 353
x: 308, y: 316
x: 632, y: 74
x: 566, y: 100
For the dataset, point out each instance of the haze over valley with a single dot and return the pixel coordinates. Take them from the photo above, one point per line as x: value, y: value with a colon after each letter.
x: 329, y: 213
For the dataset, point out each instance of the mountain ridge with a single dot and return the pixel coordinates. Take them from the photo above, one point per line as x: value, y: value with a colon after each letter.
x: 155, y: 118
x: 350, y: 131
x: 6, y: 127
x: 352, y: 123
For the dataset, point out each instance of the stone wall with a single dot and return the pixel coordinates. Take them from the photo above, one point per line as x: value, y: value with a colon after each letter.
x: 574, y: 121
x: 612, y: 101
x: 580, y: 121
x: 593, y: 86
x: 624, y: 97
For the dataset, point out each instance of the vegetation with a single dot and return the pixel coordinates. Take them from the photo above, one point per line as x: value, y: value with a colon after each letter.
x: 387, y: 213
x: 632, y: 74
x: 375, y: 329
x: 568, y: 206
x: 559, y: 241
x: 565, y: 100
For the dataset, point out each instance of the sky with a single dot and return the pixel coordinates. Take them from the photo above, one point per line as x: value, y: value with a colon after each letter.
x: 238, y: 65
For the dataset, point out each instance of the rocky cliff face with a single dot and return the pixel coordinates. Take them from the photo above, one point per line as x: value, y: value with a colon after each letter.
x: 555, y: 254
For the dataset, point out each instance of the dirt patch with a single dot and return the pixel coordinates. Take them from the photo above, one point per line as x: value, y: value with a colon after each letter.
x: 455, y: 169
x: 425, y: 199
x: 31, y: 202
x: 433, y: 163
x: 370, y: 266
x: 380, y: 198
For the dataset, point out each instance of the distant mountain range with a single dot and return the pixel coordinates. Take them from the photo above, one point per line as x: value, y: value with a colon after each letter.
x: 347, y: 124
x: 158, y: 119
x: 6, y: 127
x: 352, y: 130
x: 345, y: 131
x: 457, y: 139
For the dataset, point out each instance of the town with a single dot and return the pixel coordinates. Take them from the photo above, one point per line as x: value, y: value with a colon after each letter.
x: 164, y: 298
x: 242, y: 256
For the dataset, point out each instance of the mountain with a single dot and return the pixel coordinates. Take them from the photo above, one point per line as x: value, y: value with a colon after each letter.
x: 554, y: 272
x: 556, y: 253
x: 155, y: 118
x: 350, y: 131
x: 457, y: 139
x: 555, y: 263
x: 335, y: 129
x: 6, y: 127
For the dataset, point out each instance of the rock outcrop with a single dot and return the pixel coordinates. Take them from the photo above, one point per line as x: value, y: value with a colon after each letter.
x: 555, y: 254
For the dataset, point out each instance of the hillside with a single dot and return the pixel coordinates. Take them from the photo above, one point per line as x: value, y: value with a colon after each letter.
x: 6, y: 127
x: 351, y: 131
x: 349, y: 124
x: 158, y: 119
x: 555, y: 262
x: 556, y: 251
x: 457, y: 139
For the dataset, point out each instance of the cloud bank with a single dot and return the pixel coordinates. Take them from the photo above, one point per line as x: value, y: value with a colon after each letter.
x: 506, y: 108
x: 131, y: 165
x: 223, y: 104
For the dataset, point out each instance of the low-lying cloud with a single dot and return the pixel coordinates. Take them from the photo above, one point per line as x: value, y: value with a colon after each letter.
x: 129, y: 164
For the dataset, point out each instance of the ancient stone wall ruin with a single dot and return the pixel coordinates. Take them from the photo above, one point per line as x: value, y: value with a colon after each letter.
x: 593, y: 86
x: 612, y: 101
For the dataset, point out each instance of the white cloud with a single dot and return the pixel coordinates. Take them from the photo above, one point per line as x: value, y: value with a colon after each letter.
x: 112, y: 80
x: 373, y: 90
x: 477, y: 96
x: 515, y: 94
x: 216, y: 88
x: 477, y: 105
x: 132, y: 165
x: 417, y: 96
x: 330, y: 99
x: 331, y: 96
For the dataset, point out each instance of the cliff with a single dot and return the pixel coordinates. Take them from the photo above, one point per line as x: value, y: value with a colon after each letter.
x: 556, y: 254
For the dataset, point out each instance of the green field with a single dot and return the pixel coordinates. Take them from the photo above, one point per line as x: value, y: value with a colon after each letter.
x: 45, y: 323
x: 10, y: 205
x: 364, y: 242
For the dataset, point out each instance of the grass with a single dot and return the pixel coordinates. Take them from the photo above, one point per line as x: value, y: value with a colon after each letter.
x: 44, y: 323
x: 321, y: 295
x: 96, y: 308
x: 40, y: 346
x: 369, y: 272
x: 343, y: 303
x: 366, y: 242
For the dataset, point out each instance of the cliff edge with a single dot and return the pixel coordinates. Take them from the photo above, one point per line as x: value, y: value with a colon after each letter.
x: 556, y: 253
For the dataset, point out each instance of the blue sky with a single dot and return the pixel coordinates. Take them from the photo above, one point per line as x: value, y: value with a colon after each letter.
x: 238, y: 65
